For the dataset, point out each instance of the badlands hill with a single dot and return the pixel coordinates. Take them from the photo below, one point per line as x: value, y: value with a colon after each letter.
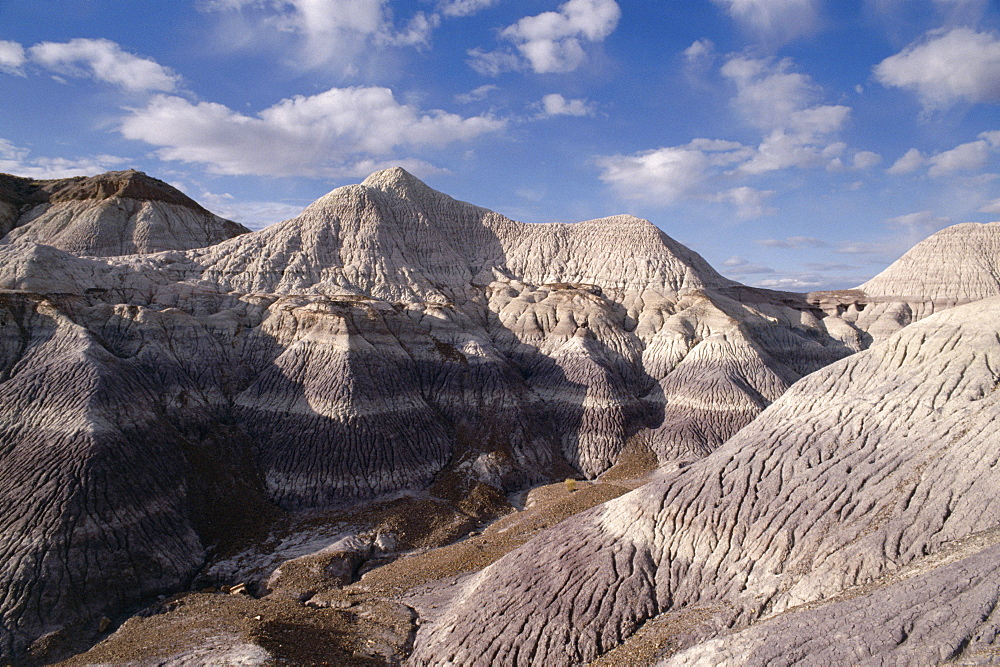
x: 862, y: 502
x: 116, y: 213
x: 392, y: 365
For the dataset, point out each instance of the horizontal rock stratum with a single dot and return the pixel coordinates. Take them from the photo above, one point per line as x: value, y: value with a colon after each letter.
x: 168, y: 380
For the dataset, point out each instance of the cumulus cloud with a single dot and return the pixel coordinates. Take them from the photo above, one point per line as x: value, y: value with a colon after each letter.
x: 17, y: 160
x: 667, y: 175
x: 969, y: 156
x: 909, y: 163
x: 331, y: 32
x: 773, y: 97
x: 325, y: 133
x: 476, y: 94
x: 946, y: 67
x: 798, y: 132
x: 104, y: 60
x: 555, y: 104
x: 964, y: 157
x: 464, y: 7
x: 922, y: 222
x: 749, y: 202
x: 551, y: 42
x: 699, y: 51
x: 253, y: 214
x: 793, y: 242
x: 12, y: 57
x: 774, y: 21
x: 866, y: 159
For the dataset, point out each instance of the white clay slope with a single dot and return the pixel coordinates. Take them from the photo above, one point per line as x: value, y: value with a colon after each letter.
x: 117, y: 213
x: 388, y: 337
x: 956, y: 265
x: 857, y: 471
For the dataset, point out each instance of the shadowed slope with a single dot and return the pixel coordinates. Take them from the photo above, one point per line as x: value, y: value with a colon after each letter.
x: 856, y: 471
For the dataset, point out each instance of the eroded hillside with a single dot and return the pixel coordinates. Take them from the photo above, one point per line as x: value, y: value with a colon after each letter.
x: 404, y: 354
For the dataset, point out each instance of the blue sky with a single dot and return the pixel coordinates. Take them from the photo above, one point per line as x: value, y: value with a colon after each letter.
x: 796, y: 144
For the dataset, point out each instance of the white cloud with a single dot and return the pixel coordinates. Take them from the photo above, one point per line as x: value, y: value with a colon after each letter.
x: 11, y: 57
x: 329, y: 133
x: 951, y: 12
x: 555, y: 104
x: 947, y: 67
x: 773, y: 97
x: 965, y: 157
x: 909, y: 163
x: 463, y: 7
x: 331, y: 32
x: 991, y: 207
x: 770, y: 95
x: 666, y: 175
x: 476, y: 95
x: 662, y: 176
x: 739, y: 266
x: 806, y: 281
x: 866, y: 159
x: 793, y: 242
x: 774, y: 21
x: 253, y: 214
x: 104, y: 60
x: 969, y: 156
x: 552, y: 42
x: 798, y: 132
x: 748, y: 201
x: 922, y: 222
x: 700, y: 51
x: 492, y: 63
x: 17, y: 160
x: 417, y: 32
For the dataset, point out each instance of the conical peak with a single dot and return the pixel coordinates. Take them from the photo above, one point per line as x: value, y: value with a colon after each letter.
x: 957, y: 263
x: 401, y: 183
x: 393, y: 177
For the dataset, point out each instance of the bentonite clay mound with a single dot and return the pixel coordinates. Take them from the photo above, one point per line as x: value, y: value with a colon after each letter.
x: 116, y: 213
x: 390, y: 342
x: 859, y: 470
x: 387, y: 339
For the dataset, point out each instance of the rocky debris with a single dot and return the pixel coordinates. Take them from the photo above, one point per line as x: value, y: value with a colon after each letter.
x: 858, y: 471
x: 116, y: 213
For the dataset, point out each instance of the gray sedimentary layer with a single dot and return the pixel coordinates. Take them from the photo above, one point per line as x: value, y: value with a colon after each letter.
x: 387, y: 338
x: 858, y: 470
